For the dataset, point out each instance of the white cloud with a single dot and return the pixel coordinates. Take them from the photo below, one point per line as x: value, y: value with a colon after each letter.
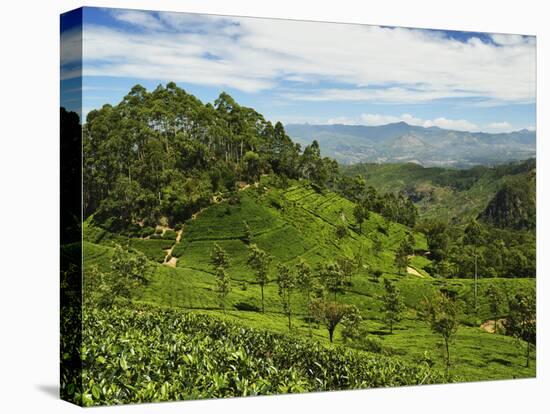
x: 397, y: 64
x: 456, y: 124
x: 500, y: 126
x: 138, y: 18
x: 531, y: 128
x: 379, y: 119
x: 512, y: 39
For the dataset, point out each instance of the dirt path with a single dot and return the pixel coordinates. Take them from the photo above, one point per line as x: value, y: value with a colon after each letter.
x: 413, y: 271
x: 489, y: 326
x: 168, y: 259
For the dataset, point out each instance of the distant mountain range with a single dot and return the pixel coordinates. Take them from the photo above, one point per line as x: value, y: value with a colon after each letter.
x: 401, y: 142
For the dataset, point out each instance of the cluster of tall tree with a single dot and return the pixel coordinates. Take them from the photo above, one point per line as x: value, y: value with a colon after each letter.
x: 164, y: 153
x: 393, y: 207
x: 458, y: 251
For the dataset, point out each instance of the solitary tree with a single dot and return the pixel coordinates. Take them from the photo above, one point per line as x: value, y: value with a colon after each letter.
x: 259, y: 260
x: 392, y: 305
x: 219, y: 257
x: 377, y: 245
x: 252, y: 166
x: 494, y: 299
x: 521, y: 321
x: 401, y: 258
x: 330, y: 314
x: 377, y: 274
x: 347, y: 268
x: 441, y: 312
x: 359, y: 258
x: 341, y: 230
x: 473, y: 237
x: 306, y: 282
x: 220, y: 262
x: 247, y: 233
x: 223, y: 285
x: 360, y: 213
x: 128, y: 271
x: 351, y: 324
x: 332, y: 277
x: 287, y: 283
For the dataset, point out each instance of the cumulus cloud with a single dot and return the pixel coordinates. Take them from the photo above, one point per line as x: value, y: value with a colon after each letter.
x: 500, y: 126
x: 368, y: 63
x: 379, y: 119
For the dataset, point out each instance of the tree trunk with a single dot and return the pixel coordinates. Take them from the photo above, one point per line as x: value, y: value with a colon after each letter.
x: 475, y: 281
x: 289, y: 324
x: 447, y: 349
x: 262, y: 288
x: 330, y: 333
x: 528, y: 349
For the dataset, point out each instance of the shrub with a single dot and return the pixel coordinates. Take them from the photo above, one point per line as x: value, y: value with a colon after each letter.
x: 170, y: 355
x: 341, y: 230
x: 170, y: 235
x: 247, y: 306
x: 147, y: 231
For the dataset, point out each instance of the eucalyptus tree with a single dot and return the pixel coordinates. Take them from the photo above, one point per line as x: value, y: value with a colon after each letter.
x: 259, y: 260
x: 286, y: 280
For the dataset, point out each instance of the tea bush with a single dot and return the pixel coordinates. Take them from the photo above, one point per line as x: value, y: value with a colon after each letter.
x: 149, y: 354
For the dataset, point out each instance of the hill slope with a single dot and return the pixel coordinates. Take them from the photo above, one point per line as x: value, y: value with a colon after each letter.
x: 449, y: 194
x: 300, y: 222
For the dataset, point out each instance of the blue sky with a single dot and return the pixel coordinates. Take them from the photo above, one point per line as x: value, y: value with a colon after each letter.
x: 311, y: 72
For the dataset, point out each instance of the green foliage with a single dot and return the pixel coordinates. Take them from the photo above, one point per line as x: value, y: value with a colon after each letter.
x: 219, y: 257
x: 393, y: 306
x: 521, y: 321
x: 441, y: 312
x: 286, y: 281
x: 259, y: 260
x: 332, y: 277
x: 351, y: 325
x: 341, y: 230
x: 125, y: 351
x: 251, y: 166
x: 223, y: 285
x: 513, y: 206
x: 147, y: 231
x: 448, y: 194
x: 165, y: 154
x: 495, y: 303
x: 128, y: 271
x: 153, y: 249
x: 248, y: 235
x: 330, y: 314
x: 170, y: 235
x: 402, y: 257
x: 175, y: 160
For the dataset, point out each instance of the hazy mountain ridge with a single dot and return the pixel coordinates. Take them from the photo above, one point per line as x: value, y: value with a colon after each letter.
x: 401, y: 142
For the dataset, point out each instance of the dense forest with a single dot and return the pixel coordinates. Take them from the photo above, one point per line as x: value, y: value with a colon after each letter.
x: 488, y: 212
x: 164, y: 154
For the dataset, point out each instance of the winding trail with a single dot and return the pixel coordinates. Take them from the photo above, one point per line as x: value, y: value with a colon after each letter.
x: 413, y: 271
x: 169, y: 260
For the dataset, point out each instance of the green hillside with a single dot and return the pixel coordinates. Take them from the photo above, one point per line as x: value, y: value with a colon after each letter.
x: 208, y: 218
x: 299, y: 222
x: 449, y: 194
